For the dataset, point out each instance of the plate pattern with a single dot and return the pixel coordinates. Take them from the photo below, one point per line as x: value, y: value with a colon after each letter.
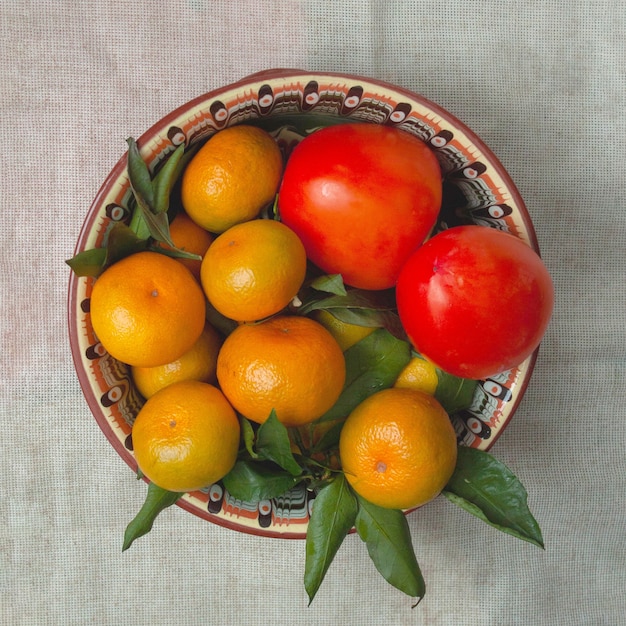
x: 476, y: 191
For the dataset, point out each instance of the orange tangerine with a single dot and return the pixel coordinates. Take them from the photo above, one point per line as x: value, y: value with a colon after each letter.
x: 147, y: 309
x: 398, y: 448
x: 231, y: 178
x: 288, y: 363
x: 188, y: 236
x: 253, y: 270
x: 198, y: 363
x: 186, y: 436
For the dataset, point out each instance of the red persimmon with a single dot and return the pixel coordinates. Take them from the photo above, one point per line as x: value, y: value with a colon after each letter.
x: 362, y: 198
x: 475, y: 301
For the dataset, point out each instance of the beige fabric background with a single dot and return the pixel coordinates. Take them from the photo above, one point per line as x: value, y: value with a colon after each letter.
x: 543, y: 82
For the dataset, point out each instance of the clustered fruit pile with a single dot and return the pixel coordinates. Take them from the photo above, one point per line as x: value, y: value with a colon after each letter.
x: 226, y: 343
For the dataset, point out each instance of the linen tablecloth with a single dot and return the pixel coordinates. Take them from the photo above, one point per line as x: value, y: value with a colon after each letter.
x: 543, y: 83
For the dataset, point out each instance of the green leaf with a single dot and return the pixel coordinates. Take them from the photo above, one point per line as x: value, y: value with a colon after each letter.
x: 156, y: 500
x: 332, y: 517
x: 248, y: 436
x: 121, y: 241
x: 252, y: 482
x: 273, y: 444
x: 274, y: 213
x: 372, y: 364
x: 165, y: 179
x: 330, y: 439
x: 152, y: 196
x: 331, y: 283
x: 454, y: 393
x: 488, y: 489
x: 374, y: 309
x: 149, y: 218
x: 176, y: 253
x: 355, y: 299
x: 372, y: 318
x: 88, y: 262
x: 137, y: 222
x: 141, y: 183
x: 139, y: 175
x: 158, y: 224
x: 388, y: 539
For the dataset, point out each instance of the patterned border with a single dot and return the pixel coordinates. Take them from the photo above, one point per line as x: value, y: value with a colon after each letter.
x: 476, y: 190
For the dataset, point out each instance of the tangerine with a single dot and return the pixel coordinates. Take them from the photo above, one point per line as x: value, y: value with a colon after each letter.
x: 198, y: 363
x: 147, y: 309
x: 418, y: 374
x: 398, y: 448
x: 232, y: 177
x: 186, y: 436
x: 187, y: 235
x: 290, y: 364
x: 253, y: 270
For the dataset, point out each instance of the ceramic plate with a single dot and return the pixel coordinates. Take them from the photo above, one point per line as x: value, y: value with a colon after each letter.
x: 290, y: 104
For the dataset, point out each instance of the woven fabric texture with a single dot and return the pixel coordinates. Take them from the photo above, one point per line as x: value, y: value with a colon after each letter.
x: 543, y: 83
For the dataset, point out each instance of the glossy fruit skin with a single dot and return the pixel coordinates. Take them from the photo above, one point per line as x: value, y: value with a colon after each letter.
x: 398, y: 448
x: 232, y: 177
x: 198, y: 363
x: 147, y: 309
x: 186, y: 436
x: 253, y: 270
x: 288, y: 363
x: 362, y: 198
x: 475, y: 301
